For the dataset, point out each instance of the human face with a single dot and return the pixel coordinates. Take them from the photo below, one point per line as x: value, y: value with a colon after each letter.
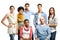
x: 26, y: 7
x: 51, y: 11
x: 39, y: 7
x: 12, y: 9
x: 42, y: 20
x: 26, y: 23
x: 21, y: 11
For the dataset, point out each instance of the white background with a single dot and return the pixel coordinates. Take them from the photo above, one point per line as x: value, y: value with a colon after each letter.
x: 4, y: 8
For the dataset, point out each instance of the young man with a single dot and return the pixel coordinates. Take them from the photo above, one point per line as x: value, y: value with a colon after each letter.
x: 42, y: 31
x: 20, y: 19
x: 27, y: 12
x: 12, y: 22
x: 26, y: 31
x: 39, y: 14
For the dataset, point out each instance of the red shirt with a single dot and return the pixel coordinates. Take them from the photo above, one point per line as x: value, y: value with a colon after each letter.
x: 24, y: 31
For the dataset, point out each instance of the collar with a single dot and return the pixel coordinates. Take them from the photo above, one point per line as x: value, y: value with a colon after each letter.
x: 27, y: 11
x: 43, y: 24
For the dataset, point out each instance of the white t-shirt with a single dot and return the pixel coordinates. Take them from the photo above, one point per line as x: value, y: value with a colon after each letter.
x: 26, y: 33
x: 39, y: 15
x: 12, y: 19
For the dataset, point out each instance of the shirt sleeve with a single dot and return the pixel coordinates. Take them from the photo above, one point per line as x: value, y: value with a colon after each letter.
x: 21, y: 31
x: 45, y: 16
x: 55, y: 20
x: 32, y: 13
x: 35, y: 20
x: 31, y: 32
x: 49, y: 33
x: 35, y: 34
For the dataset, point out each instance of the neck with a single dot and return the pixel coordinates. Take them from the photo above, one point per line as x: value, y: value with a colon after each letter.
x: 39, y: 11
x: 21, y: 13
x: 11, y: 12
x: 42, y: 23
x: 26, y: 26
x: 26, y: 10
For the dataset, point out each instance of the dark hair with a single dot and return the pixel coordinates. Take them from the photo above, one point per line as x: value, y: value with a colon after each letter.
x: 19, y: 8
x: 12, y: 6
x: 27, y: 4
x: 50, y: 13
x: 26, y: 20
x: 40, y: 5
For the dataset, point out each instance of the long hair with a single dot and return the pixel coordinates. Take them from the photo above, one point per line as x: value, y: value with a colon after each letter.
x: 50, y: 13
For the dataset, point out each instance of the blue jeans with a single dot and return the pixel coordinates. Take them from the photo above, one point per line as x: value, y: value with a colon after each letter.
x: 42, y: 38
x: 18, y: 34
x: 53, y: 36
x: 19, y: 24
x: 12, y: 36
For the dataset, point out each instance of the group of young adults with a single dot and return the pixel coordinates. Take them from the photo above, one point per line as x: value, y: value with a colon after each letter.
x: 45, y: 27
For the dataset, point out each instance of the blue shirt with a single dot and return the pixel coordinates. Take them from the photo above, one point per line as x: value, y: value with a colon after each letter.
x: 28, y: 14
x: 42, y: 31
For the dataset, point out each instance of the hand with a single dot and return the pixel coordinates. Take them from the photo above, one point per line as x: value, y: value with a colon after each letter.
x: 20, y: 38
x: 37, y: 39
x: 19, y: 19
x: 46, y: 39
x: 10, y: 25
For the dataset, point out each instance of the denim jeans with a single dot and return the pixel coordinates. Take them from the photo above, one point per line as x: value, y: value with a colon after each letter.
x: 18, y: 34
x: 43, y: 38
x: 19, y: 25
x: 53, y: 36
x: 12, y: 36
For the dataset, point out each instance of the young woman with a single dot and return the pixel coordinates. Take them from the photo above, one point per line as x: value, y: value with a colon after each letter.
x: 26, y: 31
x: 52, y: 22
x: 12, y: 22
x: 20, y: 19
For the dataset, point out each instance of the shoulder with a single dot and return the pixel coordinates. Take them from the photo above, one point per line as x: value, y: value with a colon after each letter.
x: 43, y: 13
x: 55, y: 17
x: 31, y: 11
x: 15, y: 15
x: 7, y: 14
x: 18, y: 14
x: 30, y: 28
x: 38, y: 26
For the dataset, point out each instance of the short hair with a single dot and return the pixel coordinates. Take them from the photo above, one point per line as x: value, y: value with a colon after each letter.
x: 19, y: 8
x: 27, y: 4
x: 40, y: 5
x: 26, y: 20
x: 12, y: 6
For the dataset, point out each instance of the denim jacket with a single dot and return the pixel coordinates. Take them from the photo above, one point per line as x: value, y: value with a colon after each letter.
x: 36, y: 18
